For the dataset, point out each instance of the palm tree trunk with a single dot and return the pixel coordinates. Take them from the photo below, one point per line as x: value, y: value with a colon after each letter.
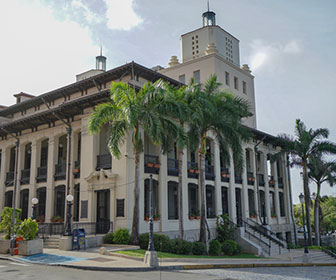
x: 307, y: 202
x: 134, y: 239
x: 317, y: 215
x: 179, y: 193
x: 203, y: 237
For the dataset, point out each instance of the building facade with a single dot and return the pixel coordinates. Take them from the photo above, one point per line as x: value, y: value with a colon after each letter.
x: 57, y: 155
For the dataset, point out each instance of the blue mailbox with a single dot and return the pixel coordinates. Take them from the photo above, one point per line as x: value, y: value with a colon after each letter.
x: 78, y: 239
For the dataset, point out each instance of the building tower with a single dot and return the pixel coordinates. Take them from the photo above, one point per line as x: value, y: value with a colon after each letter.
x: 209, y: 17
x: 101, y: 61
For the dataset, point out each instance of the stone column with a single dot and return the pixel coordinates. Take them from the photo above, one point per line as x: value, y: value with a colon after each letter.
x: 19, y: 168
x: 52, y: 154
x: 33, y: 172
x: 185, y: 194
x: 267, y: 201
x: 232, y: 192
x: 4, y: 168
x: 286, y: 191
x: 256, y: 187
x: 276, y: 192
x: 163, y: 193
x: 245, y: 206
x: 218, y: 183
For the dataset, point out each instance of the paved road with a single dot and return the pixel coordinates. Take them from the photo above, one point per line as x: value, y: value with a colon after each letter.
x: 18, y: 271
x: 270, y: 273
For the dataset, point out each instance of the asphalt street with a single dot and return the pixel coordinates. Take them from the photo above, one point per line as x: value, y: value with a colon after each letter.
x: 17, y: 271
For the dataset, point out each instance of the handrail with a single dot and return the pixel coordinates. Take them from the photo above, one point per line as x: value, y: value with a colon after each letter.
x: 330, y: 253
x: 275, y: 239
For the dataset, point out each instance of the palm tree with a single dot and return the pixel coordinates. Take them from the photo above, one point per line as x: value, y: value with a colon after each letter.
x: 220, y: 113
x: 128, y: 110
x: 305, y: 144
x: 320, y: 171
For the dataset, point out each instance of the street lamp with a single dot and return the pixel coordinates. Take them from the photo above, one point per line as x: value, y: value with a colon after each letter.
x: 34, y: 202
x: 151, y: 258
x: 306, y: 252
x: 69, y: 200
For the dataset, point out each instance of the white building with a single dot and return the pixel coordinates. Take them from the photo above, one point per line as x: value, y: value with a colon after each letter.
x: 103, y: 186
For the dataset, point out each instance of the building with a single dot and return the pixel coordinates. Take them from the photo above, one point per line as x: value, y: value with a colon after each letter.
x: 52, y: 130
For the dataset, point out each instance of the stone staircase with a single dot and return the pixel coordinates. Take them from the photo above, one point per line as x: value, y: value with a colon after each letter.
x: 316, y: 256
x: 51, y: 242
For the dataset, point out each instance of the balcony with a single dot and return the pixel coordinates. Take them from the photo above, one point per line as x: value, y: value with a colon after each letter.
x: 271, y: 181
x: 76, y: 170
x: 152, y: 164
x: 250, y: 178
x: 225, y: 175
x: 209, y: 172
x: 25, y: 176
x: 60, y: 171
x: 280, y: 182
x: 9, y: 178
x: 261, y: 180
x: 172, y: 167
x: 41, y: 174
x: 193, y: 170
x: 104, y: 162
x: 238, y: 179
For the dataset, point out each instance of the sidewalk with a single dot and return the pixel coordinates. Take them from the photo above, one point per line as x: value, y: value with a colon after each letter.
x: 92, y: 260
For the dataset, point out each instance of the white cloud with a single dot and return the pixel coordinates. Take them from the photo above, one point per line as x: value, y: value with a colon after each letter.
x: 120, y: 15
x: 270, y: 55
x: 89, y: 15
x: 39, y: 53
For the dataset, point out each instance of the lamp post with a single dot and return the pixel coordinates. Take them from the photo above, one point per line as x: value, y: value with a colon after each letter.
x: 69, y: 200
x: 151, y: 258
x: 306, y: 252
x: 34, y: 202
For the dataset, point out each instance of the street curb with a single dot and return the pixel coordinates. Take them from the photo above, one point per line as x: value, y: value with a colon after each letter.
x: 175, y: 267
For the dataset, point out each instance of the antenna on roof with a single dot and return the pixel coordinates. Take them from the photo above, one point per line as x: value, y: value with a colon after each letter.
x: 208, y: 6
x: 101, y: 50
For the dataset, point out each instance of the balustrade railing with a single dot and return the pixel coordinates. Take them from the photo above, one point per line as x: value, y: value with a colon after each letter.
x: 152, y: 164
x: 25, y: 176
x: 193, y: 171
x: 271, y: 181
x: 280, y: 182
x: 60, y: 171
x: 209, y: 172
x: 42, y: 174
x: 225, y: 174
x: 9, y: 178
x: 261, y: 180
x: 172, y: 165
x: 238, y: 179
x: 250, y: 178
x: 76, y: 170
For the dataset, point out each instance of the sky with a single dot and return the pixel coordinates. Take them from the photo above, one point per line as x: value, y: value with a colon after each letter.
x: 289, y: 45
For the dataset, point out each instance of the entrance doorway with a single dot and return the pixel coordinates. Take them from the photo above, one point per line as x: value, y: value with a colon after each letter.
x: 103, y: 211
x: 24, y: 201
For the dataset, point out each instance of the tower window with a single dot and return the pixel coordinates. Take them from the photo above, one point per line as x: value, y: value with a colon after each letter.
x: 197, y: 76
x: 182, y: 78
x: 227, y: 78
x: 192, y: 37
x: 244, y: 87
x: 196, y: 36
x: 236, y: 83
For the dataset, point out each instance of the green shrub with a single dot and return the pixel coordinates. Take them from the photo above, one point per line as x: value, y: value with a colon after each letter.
x: 224, y: 227
x: 230, y: 247
x: 6, y: 221
x: 198, y: 248
x: 180, y: 246
x: 331, y: 248
x: 28, y: 229
x: 161, y: 242
x: 108, y: 238
x: 121, y: 236
x: 215, y: 247
x: 290, y: 245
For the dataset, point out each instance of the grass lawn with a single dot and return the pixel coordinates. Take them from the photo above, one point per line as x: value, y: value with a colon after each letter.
x: 141, y: 253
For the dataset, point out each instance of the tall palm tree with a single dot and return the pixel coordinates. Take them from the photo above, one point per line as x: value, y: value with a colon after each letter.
x: 305, y: 144
x: 131, y: 110
x: 216, y: 111
x: 320, y: 171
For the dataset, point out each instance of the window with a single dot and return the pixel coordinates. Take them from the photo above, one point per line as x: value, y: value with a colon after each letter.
x: 252, y: 210
x: 41, y: 194
x: 120, y: 208
x: 227, y: 78
x: 193, y: 199
x: 8, y: 198
x: 244, y: 87
x: 76, y: 202
x: 59, y: 201
x: 282, y: 204
x: 197, y: 76
x: 210, y: 201
x: 272, y: 203
x: 225, y: 200
x: 236, y: 83
x: 172, y: 201
x: 155, y: 198
x: 182, y: 79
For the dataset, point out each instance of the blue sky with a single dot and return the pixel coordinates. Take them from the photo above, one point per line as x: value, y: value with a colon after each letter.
x: 290, y: 46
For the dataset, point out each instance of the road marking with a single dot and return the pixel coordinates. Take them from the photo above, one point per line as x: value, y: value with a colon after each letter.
x: 22, y: 264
